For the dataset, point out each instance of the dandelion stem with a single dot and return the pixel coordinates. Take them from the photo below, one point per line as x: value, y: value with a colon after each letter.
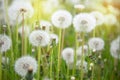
x: 23, y: 42
x: 59, y: 54
x: 92, y: 73
x: 0, y: 66
x: 39, y: 58
x: 63, y: 35
x: 82, y: 60
x: 51, y: 59
x: 76, y: 44
x: 68, y: 72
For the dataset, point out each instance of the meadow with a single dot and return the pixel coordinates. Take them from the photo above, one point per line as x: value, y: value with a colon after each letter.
x: 59, y: 40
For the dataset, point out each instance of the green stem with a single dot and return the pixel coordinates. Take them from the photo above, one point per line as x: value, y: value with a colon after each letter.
x: 68, y: 72
x: 39, y: 58
x: 23, y: 42
x: 0, y: 66
x: 51, y: 59
x: 92, y: 73
x: 59, y: 54
x: 82, y: 70
x: 76, y: 44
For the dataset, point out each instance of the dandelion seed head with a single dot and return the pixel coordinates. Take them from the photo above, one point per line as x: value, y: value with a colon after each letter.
x: 79, y: 51
x: 54, y: 37
x: 72, y: 78
x: 79, y: 65
x: 45, y: 25
x: 115, y: 48
x: 110, y: 19
x: 84, y: 22
x: 5, y: 60
x: 26, y: 30
x: 98, y: 16
x: 17, y: 8
x: 39, y: 38
x: 22, y: 65
x: 68, y: 55
x: 5, y: 43
x: 62, y: 19
x: 79, y: 6
x: 96, y: 43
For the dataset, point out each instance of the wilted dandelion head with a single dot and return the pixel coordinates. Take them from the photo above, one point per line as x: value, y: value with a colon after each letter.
x: 22, y: 65
x: 17, y: 8
x: 115, y: 48
x: 84, y: 22
x: 79, y: 65
x: 96, y: 44
x: 98, y: 16
x: 26, y: 30
x: 5, y: 43
x: 54, y: 38
x: 39, y: 38
x: 68, y: 55
x: 45, y: 25
x: 62, y: 19
x: 79, y: 51
x: 110, y: 19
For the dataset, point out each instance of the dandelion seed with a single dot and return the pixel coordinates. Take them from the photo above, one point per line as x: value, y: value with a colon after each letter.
x: 84, y: 22
x: 22, y: 65
x: 39, y: 38
x: 5, y: 43
x: 96, y: 44
x: 115, y: 48
x: 68, y: 55
x: 16, y: 9
x: 62, y: 19
x: 98, y: 16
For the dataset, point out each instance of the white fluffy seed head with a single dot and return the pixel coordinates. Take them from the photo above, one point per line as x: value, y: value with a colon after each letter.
x: 5, y: 60
x: 110, y: 19
x: 53, y: 37
x: 98, y: 16
x: 26, y: 30
x: 45, y: 25
x: 39, y: 38
x: 5, y: 43
x: 62, y: 19
x: 15, y: 11
x: 22, y: 65
x: 68, y: 55
x: 115, y: 48
x: 96, y: 43
x: 84, y: 22
x: 79, y: 51
x: 79, y: 65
